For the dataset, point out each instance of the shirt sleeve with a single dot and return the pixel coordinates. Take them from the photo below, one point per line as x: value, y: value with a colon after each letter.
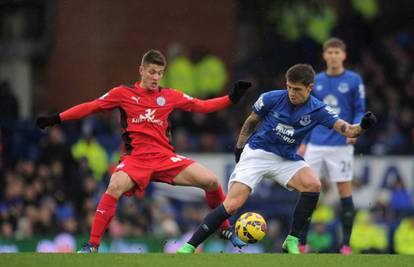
x: 358, y: 101
x: 110, y: 100
x: 188, y: 103
x: 262, y: 105
x: 327, y: 117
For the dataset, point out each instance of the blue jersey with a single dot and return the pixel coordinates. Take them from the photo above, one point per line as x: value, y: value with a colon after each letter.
x: 345, y: 95
x: 284, y: 125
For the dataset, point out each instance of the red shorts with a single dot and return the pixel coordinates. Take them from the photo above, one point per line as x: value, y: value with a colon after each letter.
x: 159, y: 167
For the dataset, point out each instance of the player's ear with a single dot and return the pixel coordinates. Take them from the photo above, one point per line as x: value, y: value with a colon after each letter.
x: 310, y: 87
x: 141, y: 70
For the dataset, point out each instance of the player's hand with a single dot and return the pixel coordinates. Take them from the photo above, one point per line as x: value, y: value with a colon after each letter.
x: 368, y: 120
x: 239, y: 90
x: 237, y: 153
x: 45, y: 121
x: 351, y: 141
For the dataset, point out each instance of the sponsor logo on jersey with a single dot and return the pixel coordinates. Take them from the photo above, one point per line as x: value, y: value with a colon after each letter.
x: 305, y: 120
x: 161, y: 101
x: 149, y: 116
x: 259, y: 103
x: 285, y: 132
x: 343, y: 88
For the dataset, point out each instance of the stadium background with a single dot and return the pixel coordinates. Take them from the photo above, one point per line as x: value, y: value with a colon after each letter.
x: 55, y: 54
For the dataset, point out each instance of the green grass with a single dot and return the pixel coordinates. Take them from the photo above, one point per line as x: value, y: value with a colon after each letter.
x: 201, y: 260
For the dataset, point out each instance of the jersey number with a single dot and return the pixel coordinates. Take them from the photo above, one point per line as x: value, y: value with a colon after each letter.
x: 346, y: 166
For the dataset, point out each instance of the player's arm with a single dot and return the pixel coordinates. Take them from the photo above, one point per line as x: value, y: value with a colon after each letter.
x: 355, y: 130
x: 210, y: 105
x: 109, y: 100
x: 249, y: 127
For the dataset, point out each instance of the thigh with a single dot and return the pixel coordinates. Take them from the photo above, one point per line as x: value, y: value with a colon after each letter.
x: 305, y: 180
x: 137, y: 170
x: 286, y: 170
x: 253, y: 165
x: 172, y: 168
x: 195, y: 175
x: 340, y: 164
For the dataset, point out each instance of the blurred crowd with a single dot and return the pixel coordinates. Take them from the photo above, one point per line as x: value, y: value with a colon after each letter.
x: 51, y: 181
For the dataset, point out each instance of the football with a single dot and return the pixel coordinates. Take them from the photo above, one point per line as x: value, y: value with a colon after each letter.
x: 251, y: 227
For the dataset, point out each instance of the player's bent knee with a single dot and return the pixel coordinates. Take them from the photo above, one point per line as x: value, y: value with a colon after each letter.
x: 212, y: 183
x: 232, y: 205
x: 116, y: 185
x: 313, y: 185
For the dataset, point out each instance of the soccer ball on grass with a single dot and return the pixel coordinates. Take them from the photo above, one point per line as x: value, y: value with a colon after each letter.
x: 251, y: 227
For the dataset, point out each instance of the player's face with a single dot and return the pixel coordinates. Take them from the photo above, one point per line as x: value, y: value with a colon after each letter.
x: 334, y: 57
x: 298, y: 92
x: 151, y: 76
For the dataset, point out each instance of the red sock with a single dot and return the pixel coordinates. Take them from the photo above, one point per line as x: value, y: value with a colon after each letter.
x: 103, y: 216
x: 214, y: 199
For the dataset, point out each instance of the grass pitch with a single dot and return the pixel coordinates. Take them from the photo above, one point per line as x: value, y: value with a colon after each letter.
x: 202, y: 260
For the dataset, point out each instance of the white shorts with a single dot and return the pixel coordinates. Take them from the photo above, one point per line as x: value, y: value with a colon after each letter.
x: 256, y: 164
x: 332, y: 162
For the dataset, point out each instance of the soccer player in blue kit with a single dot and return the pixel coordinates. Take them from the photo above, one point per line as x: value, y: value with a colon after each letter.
x: 329, y: 153
x: 285, y: 118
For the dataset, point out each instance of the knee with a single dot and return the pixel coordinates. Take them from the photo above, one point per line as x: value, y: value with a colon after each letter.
x: 311, y: 185
x: 115, y: 187
x: 212, y: 183
x: 231, y: 206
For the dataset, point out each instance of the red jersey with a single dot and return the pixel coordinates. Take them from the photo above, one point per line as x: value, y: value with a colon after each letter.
x: 144, y: 114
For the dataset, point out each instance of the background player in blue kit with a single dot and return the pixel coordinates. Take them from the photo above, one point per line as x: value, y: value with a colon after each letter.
x: 286, y: 117
x: 329, y: 153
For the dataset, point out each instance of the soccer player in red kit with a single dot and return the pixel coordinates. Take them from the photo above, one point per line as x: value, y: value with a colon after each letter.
x: 144, y: 109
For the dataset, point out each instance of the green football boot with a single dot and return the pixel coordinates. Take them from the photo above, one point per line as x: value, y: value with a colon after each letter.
x: 291, y: 245
x: 186, y: 249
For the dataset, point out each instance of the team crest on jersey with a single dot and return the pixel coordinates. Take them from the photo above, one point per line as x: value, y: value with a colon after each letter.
x: 343, y: 88
x: 161, y: 101
x: 305, y: 120
x: 319, y: 87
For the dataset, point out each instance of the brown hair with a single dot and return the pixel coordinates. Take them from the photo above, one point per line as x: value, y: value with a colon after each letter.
x: 334, y: 42
x: 301, y: 73
x: 153, y: 57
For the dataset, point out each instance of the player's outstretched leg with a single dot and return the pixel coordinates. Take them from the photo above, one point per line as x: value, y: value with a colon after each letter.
x: 301, y: 216
x: 103, y: 216
x: 214, y: 198
x: 120, y: 183
x: 209, y: 225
